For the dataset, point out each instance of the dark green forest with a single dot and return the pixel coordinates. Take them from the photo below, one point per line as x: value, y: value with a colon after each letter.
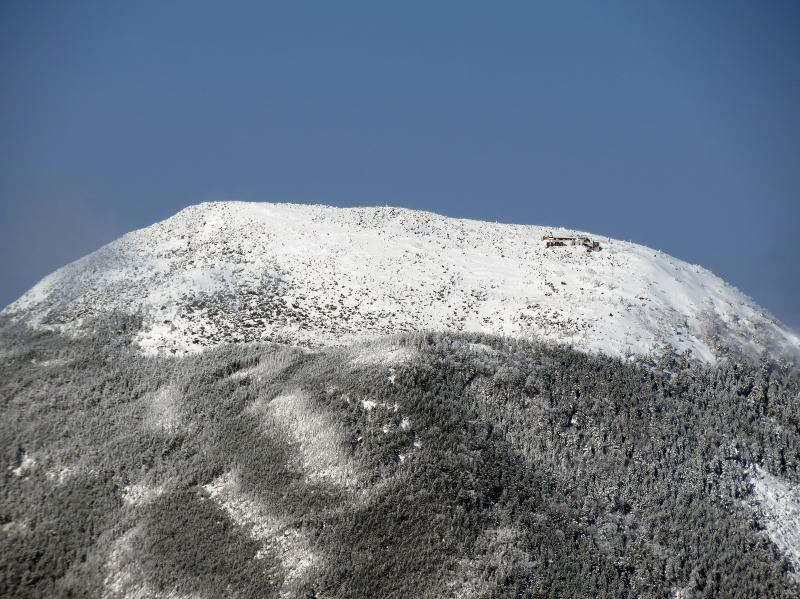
x: 438, y: 465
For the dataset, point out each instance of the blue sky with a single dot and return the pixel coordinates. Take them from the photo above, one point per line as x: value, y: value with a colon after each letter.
x: 672, y: 124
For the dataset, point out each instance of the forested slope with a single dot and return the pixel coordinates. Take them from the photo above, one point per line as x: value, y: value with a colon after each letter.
x: 438, y: 465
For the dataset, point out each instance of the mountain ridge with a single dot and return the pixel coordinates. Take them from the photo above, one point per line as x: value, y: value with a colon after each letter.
x: 317, y: 275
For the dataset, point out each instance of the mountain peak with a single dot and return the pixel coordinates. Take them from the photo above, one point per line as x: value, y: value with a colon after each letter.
x: 317, y: 275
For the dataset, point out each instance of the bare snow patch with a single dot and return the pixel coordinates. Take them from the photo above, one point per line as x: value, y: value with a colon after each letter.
x: 482, y: 348
x: 26, y: 466
x: 126, y: 579
x: 163, y: 410
x: 61, y: 475
x: 780, y: 502
x: 320, y: 438
x: 276, y: 536
x: 375, y: 354
x: 141, y: 493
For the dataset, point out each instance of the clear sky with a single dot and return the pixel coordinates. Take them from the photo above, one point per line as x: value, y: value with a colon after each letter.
x: 673, y: 124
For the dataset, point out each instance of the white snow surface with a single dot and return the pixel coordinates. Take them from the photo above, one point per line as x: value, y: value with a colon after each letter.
x: 315, y: 275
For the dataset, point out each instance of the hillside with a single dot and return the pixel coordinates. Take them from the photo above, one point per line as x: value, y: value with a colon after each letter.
x: 319, y: 276
x: 303, y: 402
x: 431, y: 466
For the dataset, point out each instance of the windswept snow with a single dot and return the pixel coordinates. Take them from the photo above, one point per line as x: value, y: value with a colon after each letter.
x: 315, y: 275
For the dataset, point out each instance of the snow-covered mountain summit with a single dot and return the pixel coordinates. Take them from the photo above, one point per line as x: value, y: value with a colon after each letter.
x: 316, y: 275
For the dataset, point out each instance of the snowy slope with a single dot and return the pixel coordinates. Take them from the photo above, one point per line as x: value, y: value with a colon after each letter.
x: 780, y: 502
x: 316, y: 275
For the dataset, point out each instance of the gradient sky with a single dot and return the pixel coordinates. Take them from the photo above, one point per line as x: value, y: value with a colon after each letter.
x: 673, y: 124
